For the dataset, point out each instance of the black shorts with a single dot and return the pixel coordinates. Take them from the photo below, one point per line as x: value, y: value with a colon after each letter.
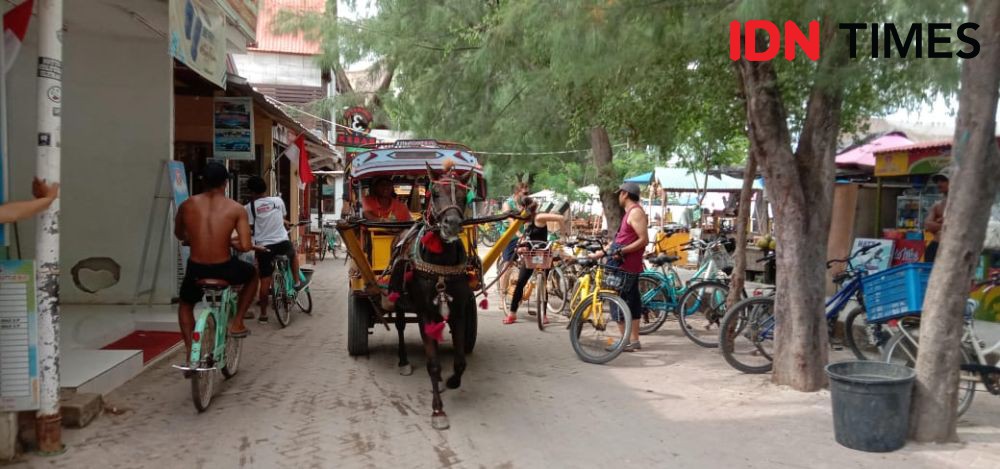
x: 931, y: 252
x: 265, y: 260
x: 632, y: 299
x: 235, y: 272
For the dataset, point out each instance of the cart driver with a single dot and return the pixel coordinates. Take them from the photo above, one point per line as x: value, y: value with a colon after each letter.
x: 381, y: 203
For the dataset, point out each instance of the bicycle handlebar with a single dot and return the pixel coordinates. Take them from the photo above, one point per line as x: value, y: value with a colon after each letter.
x: 848, y: 259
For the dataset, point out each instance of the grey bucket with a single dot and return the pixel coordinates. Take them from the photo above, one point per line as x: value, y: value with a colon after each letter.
x: 871, y: 404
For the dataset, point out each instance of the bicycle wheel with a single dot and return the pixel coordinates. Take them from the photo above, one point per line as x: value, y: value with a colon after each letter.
x: 505, y: 285
x: 655, y: 307
x: 487, y: 235
x: 304, y: 301
x: 747, y: 335
x: 700, y: 311
x: 280, y: 299
x: 234, y: 349
x: 865, y: 340
x: 203, y: 382
x: 901, y: 350
x: 556, y: 290
x: 541, y: 298
x: 322, y: 248
x: 591, y: 333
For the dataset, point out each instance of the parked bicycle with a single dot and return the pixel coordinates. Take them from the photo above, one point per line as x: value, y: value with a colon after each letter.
x: 598, y: 304
x: 489, y: 233
x: 979, y: 362
x: 704, y: 297
x: 746, y: 334
x: 212, y: 350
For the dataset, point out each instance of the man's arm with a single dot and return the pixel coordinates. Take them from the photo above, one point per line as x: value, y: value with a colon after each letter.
x: 180, y: 231
x: 244, y: 240
x: 639, y: 223
x: 44, y: 194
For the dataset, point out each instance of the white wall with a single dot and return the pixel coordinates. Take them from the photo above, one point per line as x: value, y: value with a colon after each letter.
x: 117, y: 92
x: 279, y: 69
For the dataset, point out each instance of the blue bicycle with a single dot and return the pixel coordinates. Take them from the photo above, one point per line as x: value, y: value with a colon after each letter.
x: 661, y: 287
x: 747, y: 331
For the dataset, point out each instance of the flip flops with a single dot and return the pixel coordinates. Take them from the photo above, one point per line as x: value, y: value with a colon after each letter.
x: 240, y: 334
x: 510, y: 319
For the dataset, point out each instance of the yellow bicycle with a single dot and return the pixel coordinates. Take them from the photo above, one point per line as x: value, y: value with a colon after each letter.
x: 596, y: 303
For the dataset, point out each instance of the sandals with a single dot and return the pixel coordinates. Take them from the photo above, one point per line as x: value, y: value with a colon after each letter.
x: 240, y: 334
x: 262, y: 319
x: 510, y: 319
x: 632, y: 347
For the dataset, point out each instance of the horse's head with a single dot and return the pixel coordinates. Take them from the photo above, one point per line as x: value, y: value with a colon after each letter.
x: 447, y: 198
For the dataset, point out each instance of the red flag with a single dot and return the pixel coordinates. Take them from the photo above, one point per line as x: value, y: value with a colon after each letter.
x: 305, y: 171
x: 297, y: 155
x: 15, y: 26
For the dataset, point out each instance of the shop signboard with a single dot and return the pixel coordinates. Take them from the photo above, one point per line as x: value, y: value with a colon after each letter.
x: 233, y: 128
x: 875, y: 260
x: 244, y: 14
x: 905, y: 163
x: 908, y: 251
x: 19, y: 387
x: 198, y: 37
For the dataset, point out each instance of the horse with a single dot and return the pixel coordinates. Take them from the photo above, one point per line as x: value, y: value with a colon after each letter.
x: 438, y: 288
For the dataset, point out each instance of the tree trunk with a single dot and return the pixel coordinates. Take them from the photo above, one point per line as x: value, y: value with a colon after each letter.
x: 975, y: 164
x: 607, y: 179
x: 802, y: 190
x: 738, y: 278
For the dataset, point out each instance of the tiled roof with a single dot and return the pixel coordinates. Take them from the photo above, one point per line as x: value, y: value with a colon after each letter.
x: 936, y: 144
x: 269, y: 41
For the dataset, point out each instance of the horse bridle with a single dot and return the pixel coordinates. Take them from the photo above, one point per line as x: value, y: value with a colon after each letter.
x: 435, y: 215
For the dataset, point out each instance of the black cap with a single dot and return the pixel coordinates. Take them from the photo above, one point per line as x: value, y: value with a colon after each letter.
x: 631, y: 188
x: 943, y: 175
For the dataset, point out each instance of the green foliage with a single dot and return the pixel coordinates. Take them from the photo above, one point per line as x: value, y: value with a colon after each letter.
x: 526, y: 76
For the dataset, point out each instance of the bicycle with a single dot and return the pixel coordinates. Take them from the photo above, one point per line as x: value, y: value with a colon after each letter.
x: 537, y: 258
x: 489, y: 233
x: 329, y: 241
x: 978, y: 361
x: 598, y: 291
x: 211, y: 344
x: 753, y: 319
x: 661, y: 289
x: 283, y: 292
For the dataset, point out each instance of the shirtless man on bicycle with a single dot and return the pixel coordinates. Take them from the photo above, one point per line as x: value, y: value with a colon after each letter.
x: 270, y: 238
x: 206, y: 222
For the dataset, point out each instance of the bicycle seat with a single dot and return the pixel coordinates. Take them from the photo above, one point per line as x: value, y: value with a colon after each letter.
x: 586, y: 262
x: 841, y: 277
x: 662, y: 259
x: 213, y: 284
x: 593, y: 247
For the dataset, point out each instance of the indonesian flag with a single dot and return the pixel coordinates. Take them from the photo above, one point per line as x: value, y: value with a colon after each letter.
x: 15, y: 25
x: 298, y: 156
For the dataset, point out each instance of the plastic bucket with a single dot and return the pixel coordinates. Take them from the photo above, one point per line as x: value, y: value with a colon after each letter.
x: 871, y: 404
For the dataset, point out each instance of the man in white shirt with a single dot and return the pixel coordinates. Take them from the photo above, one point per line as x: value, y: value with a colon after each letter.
x: 270, y: 237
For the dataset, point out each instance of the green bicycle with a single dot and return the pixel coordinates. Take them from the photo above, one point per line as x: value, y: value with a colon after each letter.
x: 211, y: 345
x: 284, y: 294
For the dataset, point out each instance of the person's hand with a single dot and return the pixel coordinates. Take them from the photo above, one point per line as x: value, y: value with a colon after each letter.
x: 42, y: 190
x: 261, y: 249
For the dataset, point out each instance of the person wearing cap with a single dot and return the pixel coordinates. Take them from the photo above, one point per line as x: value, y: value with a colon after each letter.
x: 206, y: 222
x: 381, y: 203
x: 626, y: 252
x: 935, y: 217
x: 536, y: 229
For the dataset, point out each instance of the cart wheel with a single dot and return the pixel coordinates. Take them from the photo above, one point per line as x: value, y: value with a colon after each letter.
x: 471, y: 326
x: 359, y: 312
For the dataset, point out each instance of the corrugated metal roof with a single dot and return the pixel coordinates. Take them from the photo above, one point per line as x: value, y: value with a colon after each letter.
x: 269, y: 41
x: 936, y: 144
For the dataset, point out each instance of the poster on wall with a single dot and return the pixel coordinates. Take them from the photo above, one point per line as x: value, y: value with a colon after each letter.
x: 19, y: 387
x: 876, y: 259
x: 233, y: 128
x: 179, y: 188
x: 198, y: 37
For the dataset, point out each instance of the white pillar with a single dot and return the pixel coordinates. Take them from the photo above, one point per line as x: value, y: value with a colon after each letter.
x: 50, y: 25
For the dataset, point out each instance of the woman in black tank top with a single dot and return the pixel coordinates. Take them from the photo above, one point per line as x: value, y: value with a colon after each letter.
x: 537, y: 230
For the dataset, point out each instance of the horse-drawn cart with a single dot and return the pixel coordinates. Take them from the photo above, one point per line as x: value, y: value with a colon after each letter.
x: 373, y: 245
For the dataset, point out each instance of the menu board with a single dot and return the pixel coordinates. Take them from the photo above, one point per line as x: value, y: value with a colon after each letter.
x: 18, y: 336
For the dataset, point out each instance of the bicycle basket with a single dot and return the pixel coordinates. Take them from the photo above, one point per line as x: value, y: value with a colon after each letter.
x: 895, y: 292
x: 613, y: 278
x: 541, y: 259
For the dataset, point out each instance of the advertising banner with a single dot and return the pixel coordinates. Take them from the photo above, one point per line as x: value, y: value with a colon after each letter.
x: 18, y: 337
x: 233, y: 128
x: 198, y: 37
